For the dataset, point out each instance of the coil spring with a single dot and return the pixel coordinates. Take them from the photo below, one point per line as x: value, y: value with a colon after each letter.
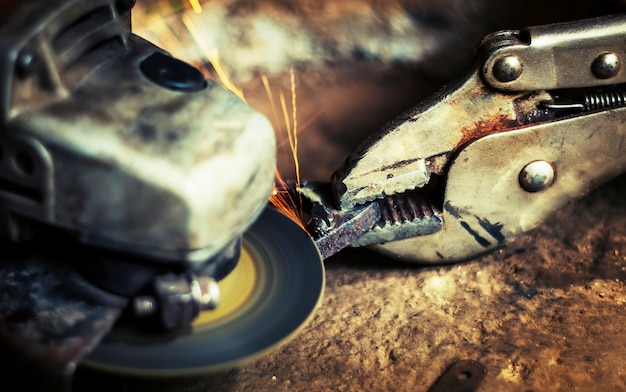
x: 604, y: 100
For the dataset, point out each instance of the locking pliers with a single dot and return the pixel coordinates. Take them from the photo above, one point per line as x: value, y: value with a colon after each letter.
x: 537, y: 122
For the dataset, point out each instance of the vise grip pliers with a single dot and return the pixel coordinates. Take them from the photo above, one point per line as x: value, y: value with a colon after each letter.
x: 539, y: 121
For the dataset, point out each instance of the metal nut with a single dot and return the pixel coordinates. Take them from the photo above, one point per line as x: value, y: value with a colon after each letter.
x: 144, y: 305
x: 210, y: 293
x: 507, y: 69
x: 536, y: 176
x: 605, y: 66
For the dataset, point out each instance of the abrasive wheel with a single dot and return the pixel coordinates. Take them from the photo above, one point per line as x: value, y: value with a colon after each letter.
x: 266, y: 299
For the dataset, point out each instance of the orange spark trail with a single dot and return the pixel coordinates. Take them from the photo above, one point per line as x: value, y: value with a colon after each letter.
x: 292, y: 124
x: 270, y: 96
x: 283, y: 200
x: 294, y: 136
x: 171, y: 36
x: 197, y: 7
x: 212, y: 55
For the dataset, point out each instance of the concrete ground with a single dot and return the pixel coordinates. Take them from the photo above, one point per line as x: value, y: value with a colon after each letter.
x: 544, y: 313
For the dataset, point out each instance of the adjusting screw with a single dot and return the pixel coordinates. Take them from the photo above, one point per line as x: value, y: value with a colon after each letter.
x: 605, y: 66
x: 536, y: 176
x: 507, y: 69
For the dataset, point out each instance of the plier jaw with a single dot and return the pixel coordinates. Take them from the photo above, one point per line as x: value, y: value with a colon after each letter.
x: 493, y: 155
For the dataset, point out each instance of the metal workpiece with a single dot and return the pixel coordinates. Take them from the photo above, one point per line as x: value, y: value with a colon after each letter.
x: 565, y: 55
x: 333, y: 229
x: 388, y: 219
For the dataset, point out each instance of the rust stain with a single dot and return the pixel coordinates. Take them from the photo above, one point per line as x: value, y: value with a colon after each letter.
x: 497, y: 124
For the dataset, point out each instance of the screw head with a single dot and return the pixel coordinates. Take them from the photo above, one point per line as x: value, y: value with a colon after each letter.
x: 536, y: 176
x: 507, y: 69
x: 605, y: 66
x: 26, y: 64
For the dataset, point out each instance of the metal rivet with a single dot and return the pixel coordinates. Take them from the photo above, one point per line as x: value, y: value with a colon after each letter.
x: 605, y: 66
x: 507, y: 69
x: 27, y: 64
x: 536, y: 176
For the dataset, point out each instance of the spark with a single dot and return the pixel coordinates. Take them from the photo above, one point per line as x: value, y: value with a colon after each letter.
x: 270, y: 96
x: 169, y: 35
x: 212, y: 55
x: 308, y: 122
x: 196, y: 6
x: 281, y: 199
x: 292, y: 124
x: 294, y: 135
x: 155, y: 26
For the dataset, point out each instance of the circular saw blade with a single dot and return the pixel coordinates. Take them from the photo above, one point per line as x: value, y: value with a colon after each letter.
x: 266, y: 299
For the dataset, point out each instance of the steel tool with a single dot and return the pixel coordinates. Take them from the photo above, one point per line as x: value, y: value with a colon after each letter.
x: 537, y: 122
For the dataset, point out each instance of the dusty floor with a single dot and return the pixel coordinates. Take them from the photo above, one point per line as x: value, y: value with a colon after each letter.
x: 544, y: 313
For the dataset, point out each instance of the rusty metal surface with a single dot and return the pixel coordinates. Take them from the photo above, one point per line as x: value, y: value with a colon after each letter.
x: 350, y: 226
x: 332, y: 229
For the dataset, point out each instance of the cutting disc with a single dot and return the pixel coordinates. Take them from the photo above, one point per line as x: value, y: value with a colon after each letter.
x: 266, y: 299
